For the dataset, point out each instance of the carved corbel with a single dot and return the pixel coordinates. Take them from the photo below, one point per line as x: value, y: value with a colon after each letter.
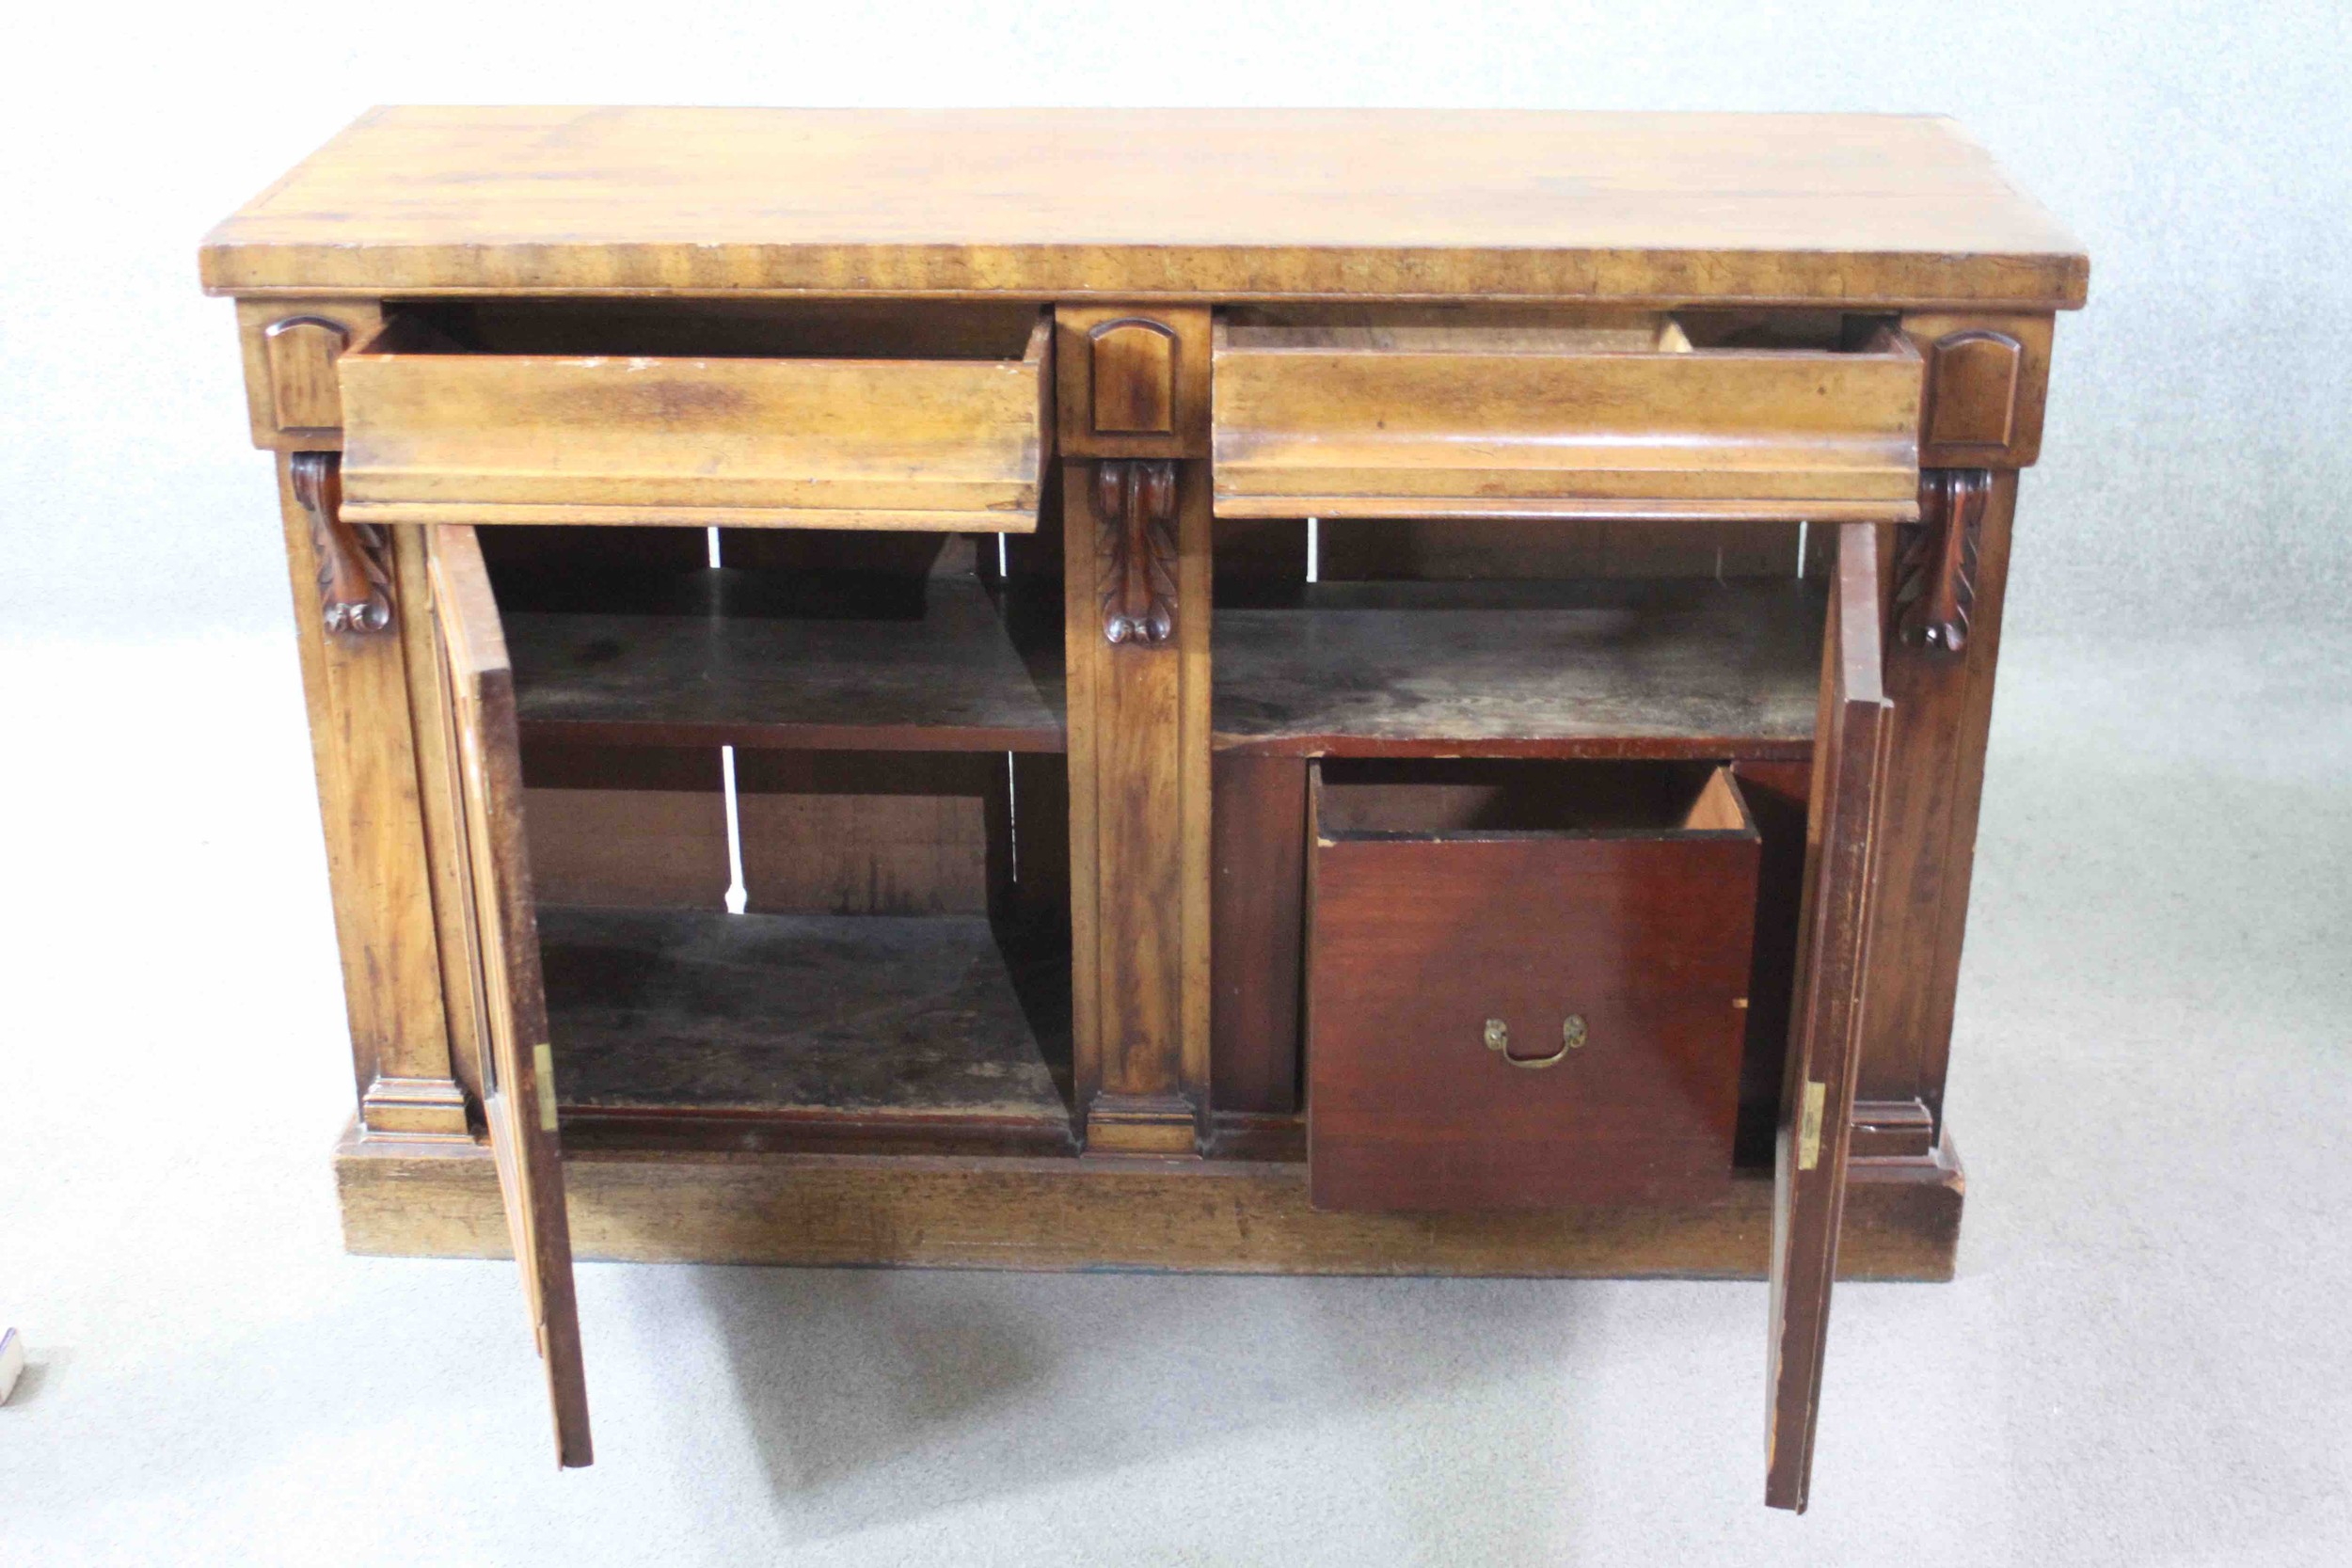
x: 1135, y: 510
x: 1936, y: 585
x: 354, y: 559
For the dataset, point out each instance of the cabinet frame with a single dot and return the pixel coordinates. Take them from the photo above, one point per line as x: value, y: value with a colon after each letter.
x: 1950, y: 292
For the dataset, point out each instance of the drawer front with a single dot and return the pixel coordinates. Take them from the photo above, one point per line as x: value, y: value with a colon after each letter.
x: 1611, y: 418
x: 945, y: 445
x: 1619, y: 964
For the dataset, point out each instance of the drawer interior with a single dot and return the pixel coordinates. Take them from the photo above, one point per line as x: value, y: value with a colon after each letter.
x: 1545, y: 330
x: 713, y: 329
x: 1451, y: 329
x: 1472, y: 800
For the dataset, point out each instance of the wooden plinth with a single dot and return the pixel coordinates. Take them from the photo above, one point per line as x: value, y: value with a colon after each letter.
x: 1219, y: 1216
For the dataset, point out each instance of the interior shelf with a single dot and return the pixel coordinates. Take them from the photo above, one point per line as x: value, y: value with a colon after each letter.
x: 771, y: 659
x: 1597, y: 668
x: 859, y: 1019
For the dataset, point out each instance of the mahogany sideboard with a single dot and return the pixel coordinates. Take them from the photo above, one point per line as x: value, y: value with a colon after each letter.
x: 1325, y: 692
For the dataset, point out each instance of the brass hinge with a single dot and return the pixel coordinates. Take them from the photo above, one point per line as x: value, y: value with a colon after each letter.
x: 1808, y: 1125
x: 543, y: 1068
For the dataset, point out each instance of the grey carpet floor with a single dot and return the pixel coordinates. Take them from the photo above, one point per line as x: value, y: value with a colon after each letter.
x: 2147, y: 1358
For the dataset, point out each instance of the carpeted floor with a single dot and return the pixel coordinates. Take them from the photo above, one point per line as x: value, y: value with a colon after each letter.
x: 2146, y: 1358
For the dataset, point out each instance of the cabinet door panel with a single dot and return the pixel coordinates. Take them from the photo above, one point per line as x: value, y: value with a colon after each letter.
x: 518, y: 1084
x: 1816, y: 1098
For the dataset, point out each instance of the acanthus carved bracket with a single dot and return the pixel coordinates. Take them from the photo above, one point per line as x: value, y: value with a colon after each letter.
x: 354, y: 559
x: 1936, y: 583
x: 1135, y: 510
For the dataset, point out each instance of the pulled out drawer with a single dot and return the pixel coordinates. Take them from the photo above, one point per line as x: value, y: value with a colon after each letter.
x: 1398, y: 412
x: 801, y: 416
x: 1527, y: 982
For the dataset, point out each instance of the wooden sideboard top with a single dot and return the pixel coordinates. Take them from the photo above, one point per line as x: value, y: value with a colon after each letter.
x: 1850, y: 210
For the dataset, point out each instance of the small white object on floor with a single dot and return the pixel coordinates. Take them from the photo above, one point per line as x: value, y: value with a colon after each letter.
x: 11, y: 1362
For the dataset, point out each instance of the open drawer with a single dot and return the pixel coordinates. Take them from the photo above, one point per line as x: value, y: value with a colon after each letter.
x: 1451, y: 412
x: 822, y: 415
x: 1527, y: 982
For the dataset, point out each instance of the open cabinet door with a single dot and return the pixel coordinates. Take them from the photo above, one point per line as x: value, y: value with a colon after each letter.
x: 518, y: 1077
x: 1816, y: 1098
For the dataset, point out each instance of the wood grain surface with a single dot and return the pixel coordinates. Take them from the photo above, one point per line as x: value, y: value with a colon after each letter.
x: 363, y: 747
x: 633, y: 825
x: 1216, y: 1216
x: 1811, y: 1172
x: 701, y: 1009
x: 1475, y: 418
x: 518, y: 1104
x: 1449, y: 898
x: 608, y: 438
x: 1854, y: 208
x: 1693, y: 668
x: 840, y: 661
x: 1258, y: 879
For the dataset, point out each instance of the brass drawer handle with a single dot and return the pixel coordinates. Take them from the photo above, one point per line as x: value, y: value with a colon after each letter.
x: 1571, y: 1037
